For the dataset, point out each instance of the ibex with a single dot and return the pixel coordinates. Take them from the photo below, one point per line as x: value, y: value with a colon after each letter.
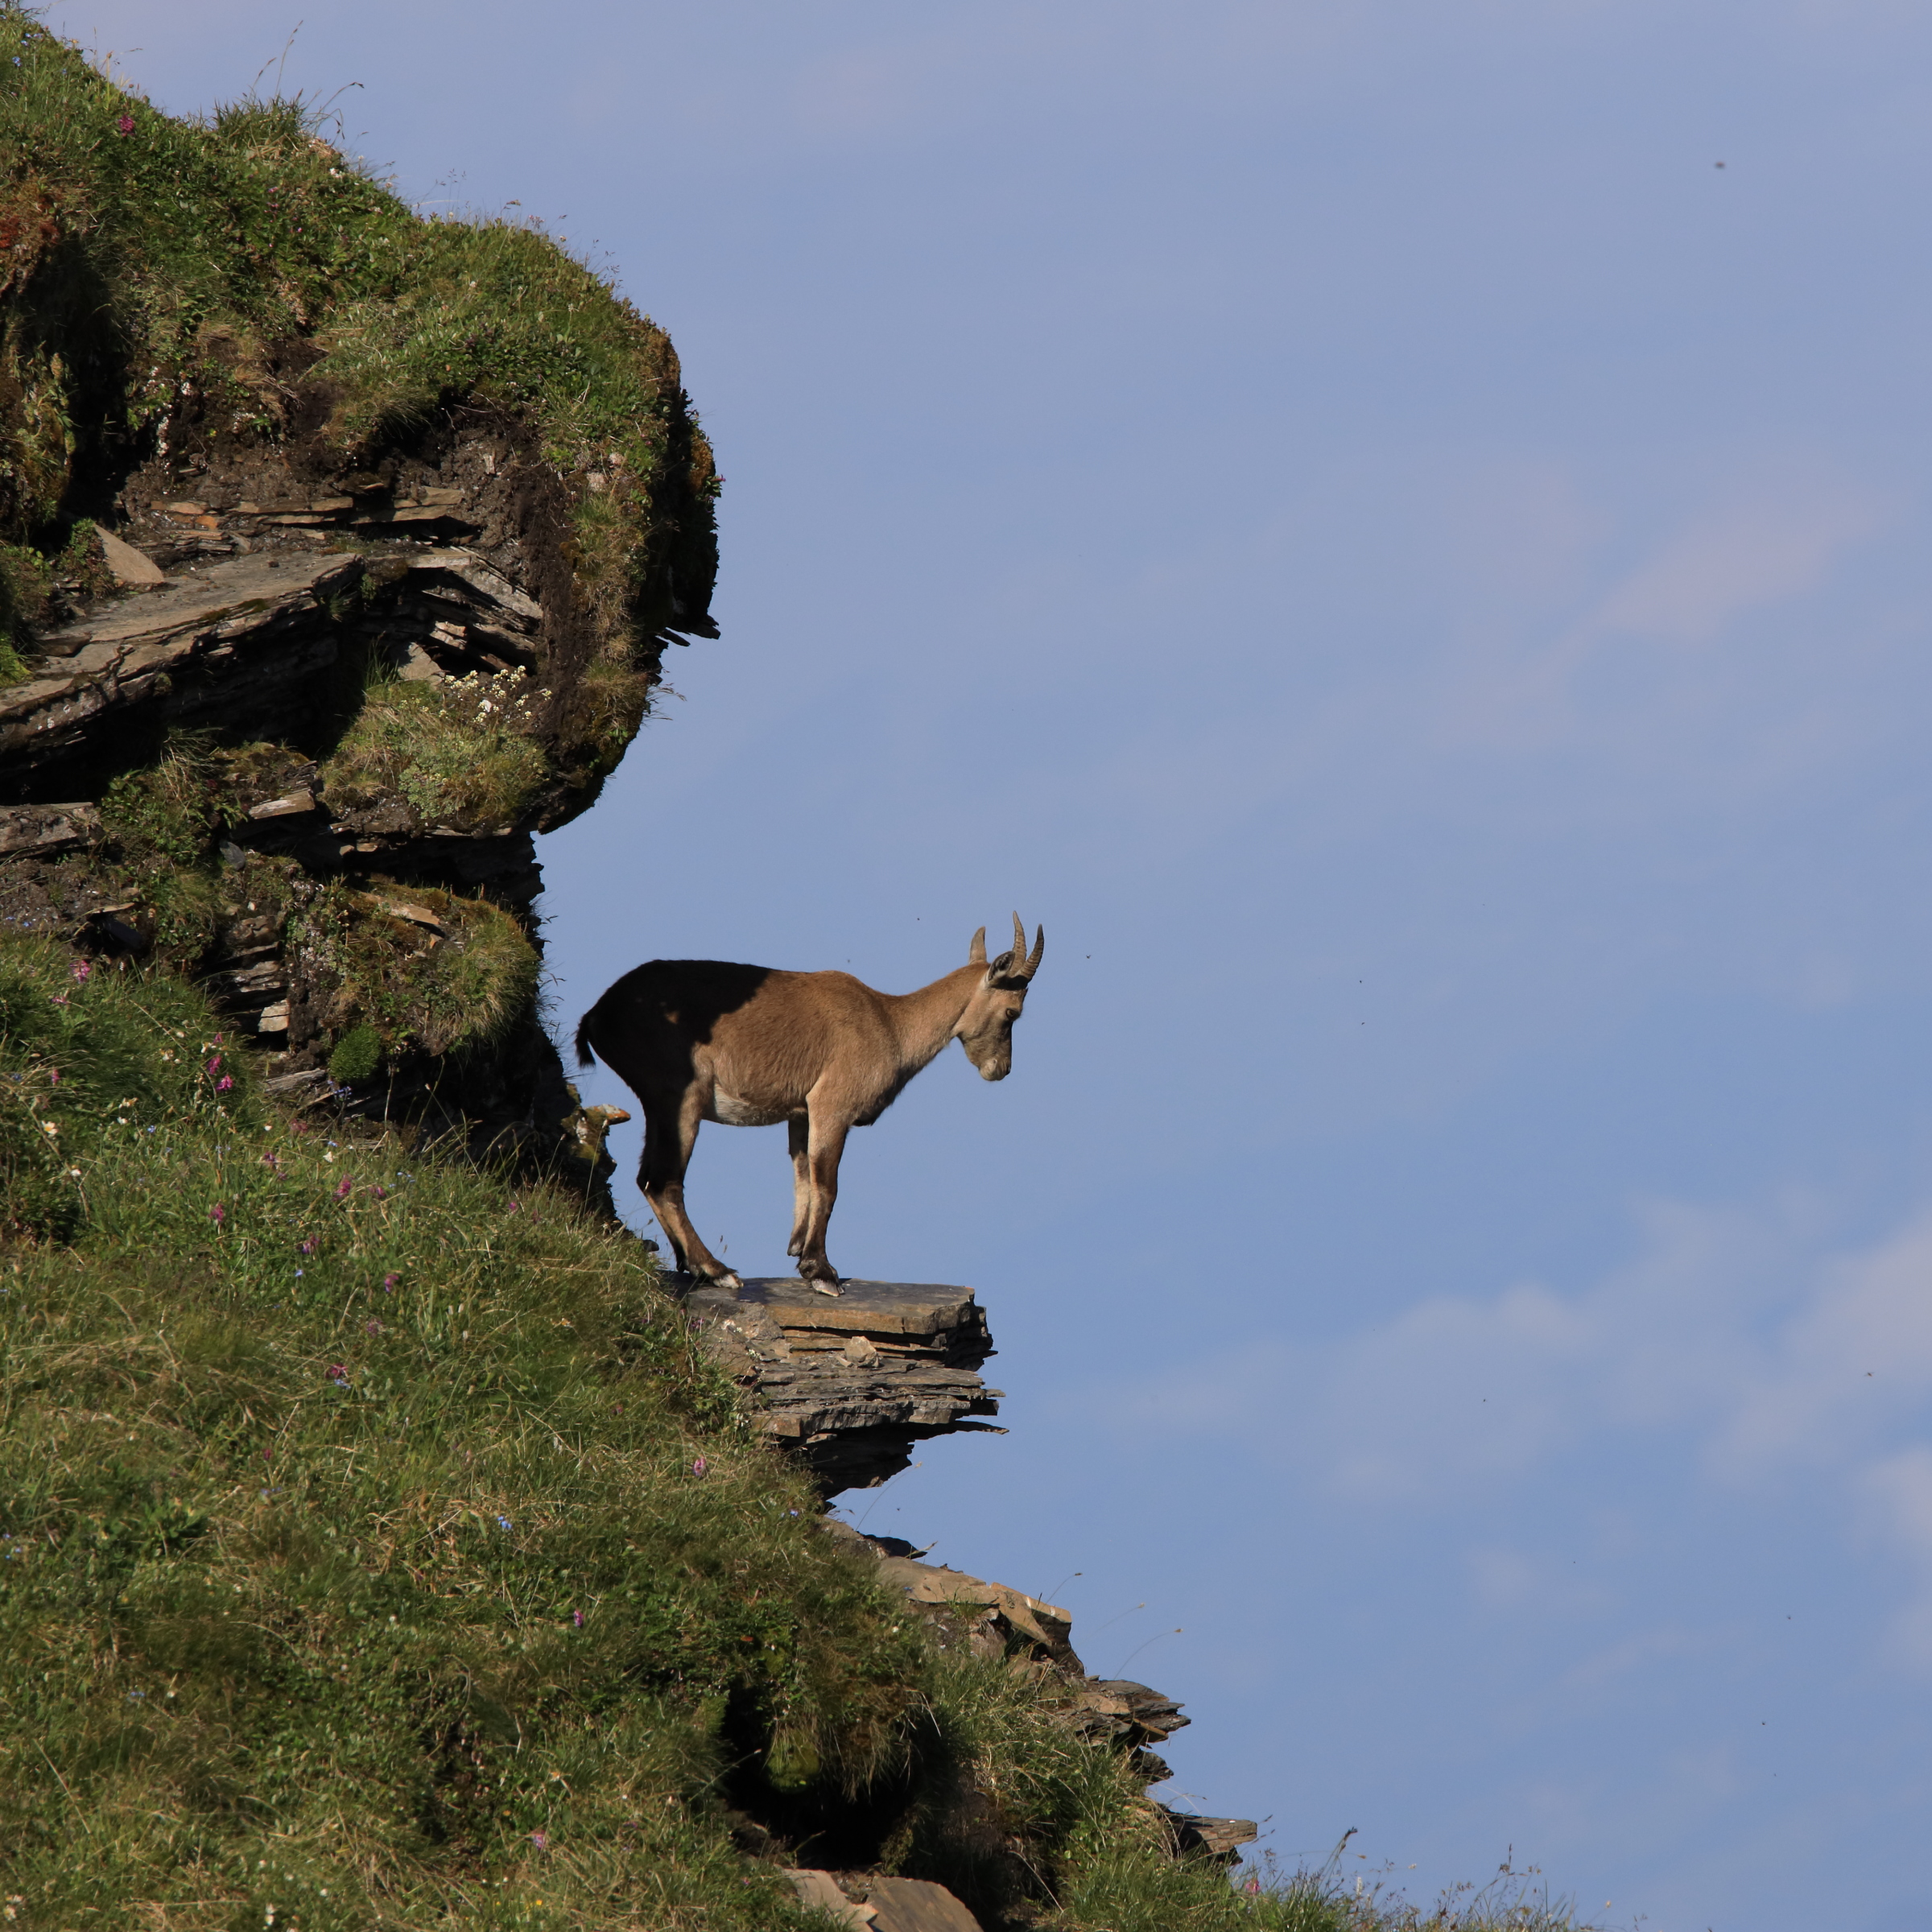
x: 702, y: 1040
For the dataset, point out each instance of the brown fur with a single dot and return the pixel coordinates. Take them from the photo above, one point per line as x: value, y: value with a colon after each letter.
x: 704, y: 1040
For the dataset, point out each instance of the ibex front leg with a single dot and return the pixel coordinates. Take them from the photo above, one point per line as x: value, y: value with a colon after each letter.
x: 798, y: 1131
x: 825, y: 1143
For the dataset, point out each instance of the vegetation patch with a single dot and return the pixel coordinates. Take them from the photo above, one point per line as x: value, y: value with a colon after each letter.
x: 423, y: 969
x: 457, y: 750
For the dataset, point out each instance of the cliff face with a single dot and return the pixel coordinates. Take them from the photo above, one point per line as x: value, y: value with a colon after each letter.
x: 339, y: 553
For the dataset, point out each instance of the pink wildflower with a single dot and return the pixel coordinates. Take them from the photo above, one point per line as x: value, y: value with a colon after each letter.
x: 372, y: 1327
x: 700, y: 1466
x: 389, y: 1283
x: 82, y: 969
x: 342, y: 1193
x: 540, y: 1839
x: 577, y: 1617
x: 125, y: 125
x: 214, y: 1066
x: 223, y: 1084
x: 338, y: 1373
x: 217, y: 1214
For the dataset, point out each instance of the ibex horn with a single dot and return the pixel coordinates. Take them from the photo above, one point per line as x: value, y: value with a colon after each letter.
x: 1039, y: 946
x: 1019, y: 943
x: 975, y: 953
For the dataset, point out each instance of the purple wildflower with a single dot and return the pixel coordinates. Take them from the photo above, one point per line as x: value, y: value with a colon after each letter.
x: 342, y: 1193
x: 577, y: 1617
x: 214, y: 1064
x: 338, y: 1373
x: 125, y: 125
x: 223, y: 1084
x: 540, y: 1839
x: 389, y: 1283
x: 82, y: 969
x: 217, y: 1214
x: 700, y: 1466
x: 306, y: 1248
x: 374, y: 1328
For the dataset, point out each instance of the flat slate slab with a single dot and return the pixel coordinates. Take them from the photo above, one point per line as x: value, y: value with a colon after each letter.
x: 863, y: 1307
x: 849, y: 1382
x: 210, y: 596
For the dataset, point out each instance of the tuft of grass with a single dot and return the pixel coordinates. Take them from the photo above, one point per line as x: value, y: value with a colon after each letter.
x: 458, y: 988
x: 456, y: 749
x: 357, y: 1055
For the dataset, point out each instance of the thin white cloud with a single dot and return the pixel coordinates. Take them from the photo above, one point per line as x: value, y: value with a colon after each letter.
x: 1741, y: 1337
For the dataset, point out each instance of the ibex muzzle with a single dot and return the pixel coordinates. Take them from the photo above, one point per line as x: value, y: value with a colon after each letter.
x: 702, y: 1040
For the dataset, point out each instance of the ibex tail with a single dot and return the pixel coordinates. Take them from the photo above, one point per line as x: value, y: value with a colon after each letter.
x: 585, y: 1057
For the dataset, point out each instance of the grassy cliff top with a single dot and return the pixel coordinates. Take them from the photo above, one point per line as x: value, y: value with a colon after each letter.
x: 174, y: 285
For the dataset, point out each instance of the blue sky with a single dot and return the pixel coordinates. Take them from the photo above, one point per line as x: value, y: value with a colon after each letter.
x: 1418, y: 577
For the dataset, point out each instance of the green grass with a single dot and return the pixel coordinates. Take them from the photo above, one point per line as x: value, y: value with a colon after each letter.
x: 459, y: 749
x: 379, y: 1546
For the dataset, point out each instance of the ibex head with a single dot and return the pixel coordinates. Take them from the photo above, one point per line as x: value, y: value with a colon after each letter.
x: 985, y: 1028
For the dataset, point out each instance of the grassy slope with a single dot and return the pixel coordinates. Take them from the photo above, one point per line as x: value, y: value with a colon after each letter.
x: 378, y: 1547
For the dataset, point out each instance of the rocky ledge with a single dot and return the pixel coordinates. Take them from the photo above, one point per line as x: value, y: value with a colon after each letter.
x: 850, y: 1382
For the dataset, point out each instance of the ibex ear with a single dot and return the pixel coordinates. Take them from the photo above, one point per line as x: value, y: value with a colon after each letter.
x: 975, y: 953
x: 999, y: 972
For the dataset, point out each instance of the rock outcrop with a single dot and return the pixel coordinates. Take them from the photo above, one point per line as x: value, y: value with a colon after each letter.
x: 850, y: 1382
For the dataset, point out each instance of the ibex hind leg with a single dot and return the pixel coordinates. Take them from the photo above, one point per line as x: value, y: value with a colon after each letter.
x: 668, y: 1147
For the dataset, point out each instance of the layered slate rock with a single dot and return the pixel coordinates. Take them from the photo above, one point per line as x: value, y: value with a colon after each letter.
x: 993, y: 1620
x: 849, y: 1383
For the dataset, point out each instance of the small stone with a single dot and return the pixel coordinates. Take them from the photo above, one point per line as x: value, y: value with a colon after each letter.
x: 294, y: 802
x: 130, y: 566
x: 914, y: 1904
